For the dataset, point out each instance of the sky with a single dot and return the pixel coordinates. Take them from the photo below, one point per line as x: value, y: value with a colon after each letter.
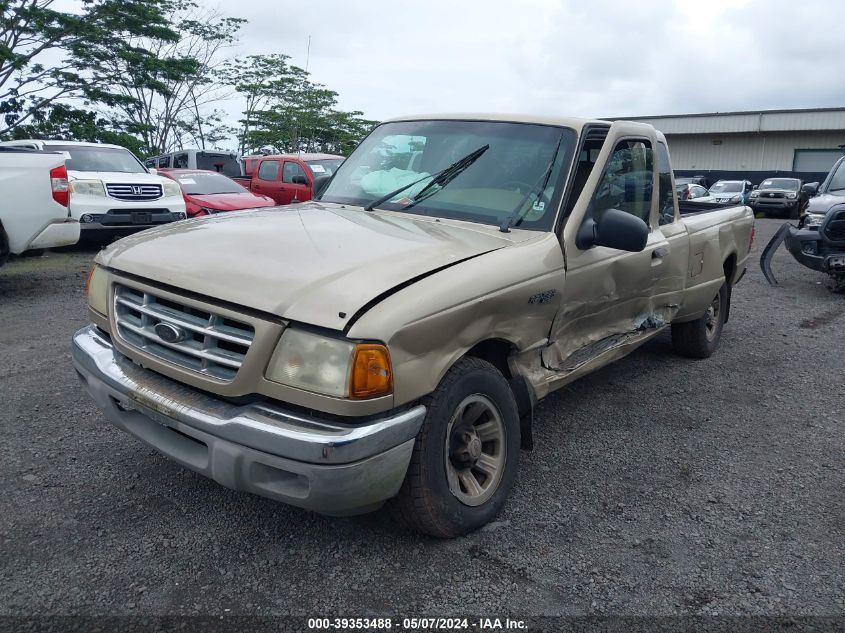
x: 594, y: 58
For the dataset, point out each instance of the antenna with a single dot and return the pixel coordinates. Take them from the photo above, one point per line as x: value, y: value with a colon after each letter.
x: 308, y: 54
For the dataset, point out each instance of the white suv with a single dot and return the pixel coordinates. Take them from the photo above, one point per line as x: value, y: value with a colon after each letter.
x: 111, y: 189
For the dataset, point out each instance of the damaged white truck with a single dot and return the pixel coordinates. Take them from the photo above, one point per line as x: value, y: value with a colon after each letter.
x: 387, y: 342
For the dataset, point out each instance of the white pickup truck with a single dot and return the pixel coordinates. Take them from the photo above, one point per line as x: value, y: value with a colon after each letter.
x: 113, y: 192
x: 34, y: 200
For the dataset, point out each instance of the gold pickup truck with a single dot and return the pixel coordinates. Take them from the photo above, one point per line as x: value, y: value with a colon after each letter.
x: 387, y: 341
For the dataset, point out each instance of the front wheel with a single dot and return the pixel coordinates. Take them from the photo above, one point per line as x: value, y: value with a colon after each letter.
x: 700, y: 338
x: 466, y: 454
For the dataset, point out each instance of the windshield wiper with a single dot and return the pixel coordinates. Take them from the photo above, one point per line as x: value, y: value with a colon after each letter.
x: 442, y: 178
x: 515, y: 216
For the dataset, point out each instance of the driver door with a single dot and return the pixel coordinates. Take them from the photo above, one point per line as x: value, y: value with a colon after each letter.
x: 608, y: 293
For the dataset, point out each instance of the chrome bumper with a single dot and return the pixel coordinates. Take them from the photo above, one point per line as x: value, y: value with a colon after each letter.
x: 326, y: 466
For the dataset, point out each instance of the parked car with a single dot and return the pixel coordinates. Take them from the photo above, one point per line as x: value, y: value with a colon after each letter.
x: 291, y: 178
x: 207, y: 192
x: 818, y: 242
x: 382, y: 343
x: 693, y: 193
x: 113, y: 192
x: 731, y: 191
x: 779, y: 196
x: 226, y: 163
x: 35, y: 192
x: 693, y: 180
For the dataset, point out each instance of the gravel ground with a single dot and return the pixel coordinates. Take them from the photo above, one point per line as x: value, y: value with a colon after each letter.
x: 658, y: 486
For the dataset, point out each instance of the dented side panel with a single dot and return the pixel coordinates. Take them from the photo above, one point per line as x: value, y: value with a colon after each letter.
x: 510, y: 295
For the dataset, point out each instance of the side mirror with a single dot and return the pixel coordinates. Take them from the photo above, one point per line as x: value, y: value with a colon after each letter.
x: 755, y: 187
x: 811, y: 188
x: 299, y: 180
x: 614, y: 229
x: 153, y: 171
x: 320, y: 185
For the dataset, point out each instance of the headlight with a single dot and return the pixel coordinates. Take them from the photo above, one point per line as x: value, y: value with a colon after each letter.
x: 736, y: 199
x: 754, y: 194
x: 88, y: 188
x: 792, y: 195
x: 330, y: 366
x: 813, y: 219
x: 97, y: 290
x: 171, y: 188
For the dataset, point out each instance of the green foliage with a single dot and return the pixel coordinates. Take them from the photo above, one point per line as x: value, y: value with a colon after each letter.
x: 148, y: 74
x: 286, y: 112
x: 33, y: 31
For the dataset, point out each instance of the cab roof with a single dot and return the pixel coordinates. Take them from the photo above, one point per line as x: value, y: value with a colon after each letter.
x: 575, y: 123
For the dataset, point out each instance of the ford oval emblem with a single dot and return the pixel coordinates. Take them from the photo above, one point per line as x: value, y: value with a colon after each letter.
x: 170, y: 333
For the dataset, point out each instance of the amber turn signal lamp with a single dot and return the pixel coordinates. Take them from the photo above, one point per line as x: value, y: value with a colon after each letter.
x: 88, y: 281
x: 372, y: 375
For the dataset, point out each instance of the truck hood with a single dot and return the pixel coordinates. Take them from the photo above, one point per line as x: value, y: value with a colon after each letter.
x: 310, y: 263
x: 824, y: 202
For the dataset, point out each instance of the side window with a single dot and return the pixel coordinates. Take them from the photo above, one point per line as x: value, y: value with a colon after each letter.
x: 698, y: 191
x: 665, y: 201
x: 627, y: 182
x: 150, y: 162
x: 164, y: 161
x: 268, y: 170
x: 291, y: 170
x: 180, y: 161
x: 593, y: 141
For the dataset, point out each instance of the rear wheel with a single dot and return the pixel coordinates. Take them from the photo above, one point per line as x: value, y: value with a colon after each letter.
x: 700, y: 338
x: 466, y: 454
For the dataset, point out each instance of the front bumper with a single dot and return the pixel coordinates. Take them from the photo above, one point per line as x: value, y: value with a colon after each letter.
x: 809, y: 247
x: 323, y: 465
x: 773, y: 204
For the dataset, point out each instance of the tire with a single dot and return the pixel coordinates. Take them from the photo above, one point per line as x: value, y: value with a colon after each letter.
x: 700, y: 338
x: 435, y: 498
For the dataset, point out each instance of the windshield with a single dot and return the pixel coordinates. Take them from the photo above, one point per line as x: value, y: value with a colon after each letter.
x: 324, y: 167
x: 486, y: 191
x: 727, y: 186
x: 207, y: 184
x: 837, y: 179
x: 788, y: 184
x: 88, y: 158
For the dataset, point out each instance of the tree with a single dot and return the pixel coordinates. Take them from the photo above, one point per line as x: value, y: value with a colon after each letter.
x: 62, y: 121
x: 166, y: 97
x: 286, y: 112
x: 263, y: 81
x: 48, y: 56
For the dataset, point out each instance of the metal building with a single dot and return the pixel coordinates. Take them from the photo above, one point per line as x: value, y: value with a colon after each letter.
x: 754, y: 145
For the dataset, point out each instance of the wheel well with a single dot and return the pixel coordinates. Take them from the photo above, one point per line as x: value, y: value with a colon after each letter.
x: 730, y: 269
x: 496, y: 352
x: 4, y: 245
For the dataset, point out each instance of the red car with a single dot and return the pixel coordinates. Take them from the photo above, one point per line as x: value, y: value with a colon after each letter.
x: 288, y: 177
x: 208, y: 192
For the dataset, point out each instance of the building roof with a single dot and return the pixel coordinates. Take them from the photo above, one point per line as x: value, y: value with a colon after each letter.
x: 748, y: 121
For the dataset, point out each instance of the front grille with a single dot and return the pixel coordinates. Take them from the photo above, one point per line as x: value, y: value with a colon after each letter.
x: 210, y: 344
x: 835, y: 227
x: 134, y: 192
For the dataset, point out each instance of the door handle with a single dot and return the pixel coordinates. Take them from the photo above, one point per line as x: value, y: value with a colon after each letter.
x: 660, y: 252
